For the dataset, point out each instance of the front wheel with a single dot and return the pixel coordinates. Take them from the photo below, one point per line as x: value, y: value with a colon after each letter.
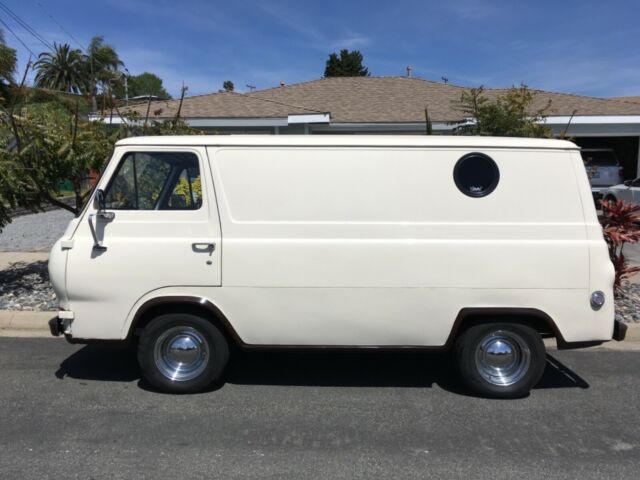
x: 500, y: 360
x: 182, y: 353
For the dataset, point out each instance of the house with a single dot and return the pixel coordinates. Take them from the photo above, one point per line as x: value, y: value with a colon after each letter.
x: 627, y: 99
x: 396, y: 105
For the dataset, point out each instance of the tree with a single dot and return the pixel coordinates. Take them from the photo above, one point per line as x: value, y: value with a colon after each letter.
x: 101, y: 65
x: 69, y: 70
x: 7, y: 61
x: 52, y: 144
x: 63, y: 69
x: 349, y: 64
x: 7, y: 67
x: 509, y: 115
x: 46, y: 138
x: 228, y: 86
x: 144, y: 84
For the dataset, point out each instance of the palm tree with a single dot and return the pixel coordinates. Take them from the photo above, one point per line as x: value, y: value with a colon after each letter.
x: 62, y: 69
x: 102, y: 64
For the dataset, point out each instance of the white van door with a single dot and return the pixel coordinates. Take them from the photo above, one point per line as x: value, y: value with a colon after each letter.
x: 159, y: 228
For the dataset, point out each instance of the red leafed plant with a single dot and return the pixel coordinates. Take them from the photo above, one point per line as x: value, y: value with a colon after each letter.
x: 621, y: 225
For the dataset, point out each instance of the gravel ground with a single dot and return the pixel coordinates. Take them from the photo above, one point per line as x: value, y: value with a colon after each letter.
x: 34, y: 233
x: 627, y: 305
x: 25, y: 286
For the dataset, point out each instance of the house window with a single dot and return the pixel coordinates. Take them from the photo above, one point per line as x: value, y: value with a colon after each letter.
x: 476, y: 175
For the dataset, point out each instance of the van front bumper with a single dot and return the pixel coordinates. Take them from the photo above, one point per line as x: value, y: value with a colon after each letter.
x: 619, y: 330
x: 56, y: 327
x: 61, y: 324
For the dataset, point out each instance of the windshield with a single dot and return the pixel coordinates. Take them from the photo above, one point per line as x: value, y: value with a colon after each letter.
x: 600, y: 157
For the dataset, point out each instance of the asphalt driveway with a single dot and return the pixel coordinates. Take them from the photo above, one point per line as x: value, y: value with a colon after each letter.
x: 82, y: 412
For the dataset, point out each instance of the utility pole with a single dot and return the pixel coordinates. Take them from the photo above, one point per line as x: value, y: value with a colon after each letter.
x: 126, y: 86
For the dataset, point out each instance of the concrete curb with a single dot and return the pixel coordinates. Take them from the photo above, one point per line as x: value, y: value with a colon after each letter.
x: 633, y: 332
x: 32, y: 323
x: 35, y: 324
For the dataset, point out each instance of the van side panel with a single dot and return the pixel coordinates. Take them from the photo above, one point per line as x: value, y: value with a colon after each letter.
x: 377, y: 246
x: 601, y: 272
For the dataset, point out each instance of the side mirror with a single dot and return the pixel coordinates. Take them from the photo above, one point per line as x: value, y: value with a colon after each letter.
x: 627, y: 183
x: 100, y: 205
x: 99, y: 200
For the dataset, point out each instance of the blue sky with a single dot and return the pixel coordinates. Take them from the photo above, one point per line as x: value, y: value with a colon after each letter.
x: 582, y: 47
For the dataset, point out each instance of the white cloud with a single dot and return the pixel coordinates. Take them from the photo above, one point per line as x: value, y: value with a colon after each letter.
x: 306, y: 28
x: 474, y: 9
x: 605, y: 77
x: 167, y: 67
x: 207, y: 16
x: 351, y: 42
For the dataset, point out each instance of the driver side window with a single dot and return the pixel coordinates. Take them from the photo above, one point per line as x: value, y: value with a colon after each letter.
x: 156, y: 181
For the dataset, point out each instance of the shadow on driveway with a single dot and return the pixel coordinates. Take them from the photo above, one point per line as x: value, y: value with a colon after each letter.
x: 327, y: 368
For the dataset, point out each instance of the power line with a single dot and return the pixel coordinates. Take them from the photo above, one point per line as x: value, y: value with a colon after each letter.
x: 26, y: 26
x: 61, y: 27
x: 17, y: 37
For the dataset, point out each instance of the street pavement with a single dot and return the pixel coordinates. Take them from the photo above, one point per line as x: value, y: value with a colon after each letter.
x: 82, y: 412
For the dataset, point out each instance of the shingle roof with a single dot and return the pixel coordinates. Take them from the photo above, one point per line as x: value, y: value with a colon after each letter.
x: 221, y: 105
x: 370, y: 99
x: 627, y: 99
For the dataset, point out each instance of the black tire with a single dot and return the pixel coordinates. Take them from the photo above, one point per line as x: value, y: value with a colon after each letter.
x: 190, y: 346
x: 500, y: 360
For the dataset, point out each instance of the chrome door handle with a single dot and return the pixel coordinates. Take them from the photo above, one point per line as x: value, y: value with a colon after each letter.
x: 203, y: 246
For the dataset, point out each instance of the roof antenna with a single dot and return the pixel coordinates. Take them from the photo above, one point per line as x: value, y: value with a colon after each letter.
x: 250, y: 87
x: 409, y: 71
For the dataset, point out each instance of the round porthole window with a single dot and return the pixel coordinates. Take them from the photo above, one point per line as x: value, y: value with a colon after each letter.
x: 476, y: 175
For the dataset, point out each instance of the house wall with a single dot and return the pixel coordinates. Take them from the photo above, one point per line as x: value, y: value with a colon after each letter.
x: 237, y: 131
x: 298, y: 129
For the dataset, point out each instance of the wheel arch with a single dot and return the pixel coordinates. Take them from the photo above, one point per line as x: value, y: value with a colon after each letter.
x: 182, y: 304
x: 532, y: 317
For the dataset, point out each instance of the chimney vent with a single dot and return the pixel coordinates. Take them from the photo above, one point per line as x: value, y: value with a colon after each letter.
x: 409, y: 71
x: 282, y: 84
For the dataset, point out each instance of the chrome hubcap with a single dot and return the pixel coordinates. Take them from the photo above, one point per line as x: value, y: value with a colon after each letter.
x: 502, y: 358
x: 181, y: 353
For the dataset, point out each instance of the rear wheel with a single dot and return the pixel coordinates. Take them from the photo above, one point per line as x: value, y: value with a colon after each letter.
x: 182, y: 353
x: 500, y: 360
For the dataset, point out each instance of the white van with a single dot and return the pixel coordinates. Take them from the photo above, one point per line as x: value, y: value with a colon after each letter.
x: 191, y: 244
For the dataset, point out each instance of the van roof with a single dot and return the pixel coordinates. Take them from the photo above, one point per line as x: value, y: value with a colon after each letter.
x: 351, y: 141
